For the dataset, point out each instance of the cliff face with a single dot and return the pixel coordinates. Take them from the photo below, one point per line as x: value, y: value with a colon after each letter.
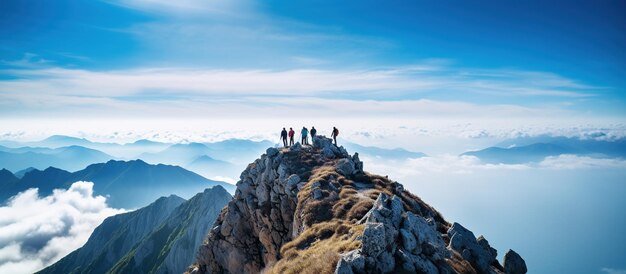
x: 160, y: 238
x: 313, y: 209
x: 172, y: 245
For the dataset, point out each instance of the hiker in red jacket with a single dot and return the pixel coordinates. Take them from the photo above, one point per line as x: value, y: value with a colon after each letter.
x: 291, y: 133
x: 334, y: 134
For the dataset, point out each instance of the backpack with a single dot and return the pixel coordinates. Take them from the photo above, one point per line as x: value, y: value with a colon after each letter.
x: 336, y: 132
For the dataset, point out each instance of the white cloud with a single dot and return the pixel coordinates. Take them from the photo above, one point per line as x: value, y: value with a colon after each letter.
x: 180, y: 7
x: 37, y: 231
x: 444, y: 165
x: 229, y: 180
x: 300, y: 82
x: 214, y: 93
x: 613, y: 270
x: 580, y: 162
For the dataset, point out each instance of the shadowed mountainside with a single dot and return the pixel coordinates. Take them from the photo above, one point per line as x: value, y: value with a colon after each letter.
x: 112, y: 240
x: 160, y: 238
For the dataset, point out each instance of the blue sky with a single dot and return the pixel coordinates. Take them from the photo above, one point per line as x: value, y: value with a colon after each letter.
x: 158, y: 58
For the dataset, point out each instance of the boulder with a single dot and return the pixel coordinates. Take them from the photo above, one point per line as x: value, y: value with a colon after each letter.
x: 345, y: 167
x: 351, y: 262
x: 374, y: 241
x: 293, y: 181
x: 463, y: 241
x: 271, y: 152
x: 513, y: 263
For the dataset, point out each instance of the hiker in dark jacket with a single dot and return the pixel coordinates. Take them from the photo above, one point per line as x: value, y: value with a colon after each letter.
x: 334, y: 134
x: 283, y: 135
x: 291, y: 134
x: 313, y: 132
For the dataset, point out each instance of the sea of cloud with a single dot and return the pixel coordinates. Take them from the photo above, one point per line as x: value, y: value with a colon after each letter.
x: 37, y: 231
x: 447, y: 164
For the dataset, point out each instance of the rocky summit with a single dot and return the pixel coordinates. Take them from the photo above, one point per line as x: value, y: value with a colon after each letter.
x: 313, y: 209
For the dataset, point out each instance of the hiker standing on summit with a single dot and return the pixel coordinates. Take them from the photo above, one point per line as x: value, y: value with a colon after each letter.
x: 304, y: 133
x: 283, y: 136
x: 291, y: 134
x: 313, y: 133
x: 334, y: 134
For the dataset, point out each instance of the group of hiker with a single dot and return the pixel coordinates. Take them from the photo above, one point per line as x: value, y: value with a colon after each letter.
x: 304, y: 133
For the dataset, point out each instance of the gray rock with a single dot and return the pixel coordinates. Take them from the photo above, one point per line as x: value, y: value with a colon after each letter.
x: 385, y: 263
x: 355, y: 259
x: 463, y: 241
x: 328, y: 153
x: 374, y: 241
x: 292, y: 182
x: 396, y: 211
x: 407, y: 263
x: 423, y: 265
x: 262, y: 193
x: 301, y: 185
x: 513, y: 263
x: 345, y: 167
x: 357, y: 162
x: 317, y: 194
x: 425, y: 234
x: 282, y: 171
x: 343, y: 267
x: 485, y: 245
x: 415, y: 263
x: 271, y: 152
x: 408, y: 240
x: 296, y: 147
x: 350, y: 262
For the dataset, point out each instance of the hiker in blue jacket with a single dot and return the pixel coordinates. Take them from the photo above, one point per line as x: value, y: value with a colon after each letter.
x: 304, y: 133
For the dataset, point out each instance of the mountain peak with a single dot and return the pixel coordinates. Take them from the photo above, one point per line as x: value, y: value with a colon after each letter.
x: 64, y: 138
x: 135, y: 161
x: 315, y: 208
x: 7, y: 176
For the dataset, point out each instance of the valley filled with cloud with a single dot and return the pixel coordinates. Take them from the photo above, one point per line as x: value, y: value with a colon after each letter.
x: 37, y: 231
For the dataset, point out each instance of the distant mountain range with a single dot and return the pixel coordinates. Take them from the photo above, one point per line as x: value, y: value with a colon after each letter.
x: 383, y: 153
x: 128, y: 184
x: 127, y: 151
x: 225, y: 158
x: 160, y: 238
x: 535, y: 149
x: 70, y: 158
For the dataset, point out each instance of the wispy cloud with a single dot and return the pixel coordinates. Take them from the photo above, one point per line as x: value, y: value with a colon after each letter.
x: 613, y: 270
x: 180, y: 7
x: 396, y: 90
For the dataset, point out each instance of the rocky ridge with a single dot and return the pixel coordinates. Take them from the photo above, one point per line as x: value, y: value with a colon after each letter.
x: 313, y: 209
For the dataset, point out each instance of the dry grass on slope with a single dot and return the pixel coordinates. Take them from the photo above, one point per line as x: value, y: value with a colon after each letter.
x: 317, y: 249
